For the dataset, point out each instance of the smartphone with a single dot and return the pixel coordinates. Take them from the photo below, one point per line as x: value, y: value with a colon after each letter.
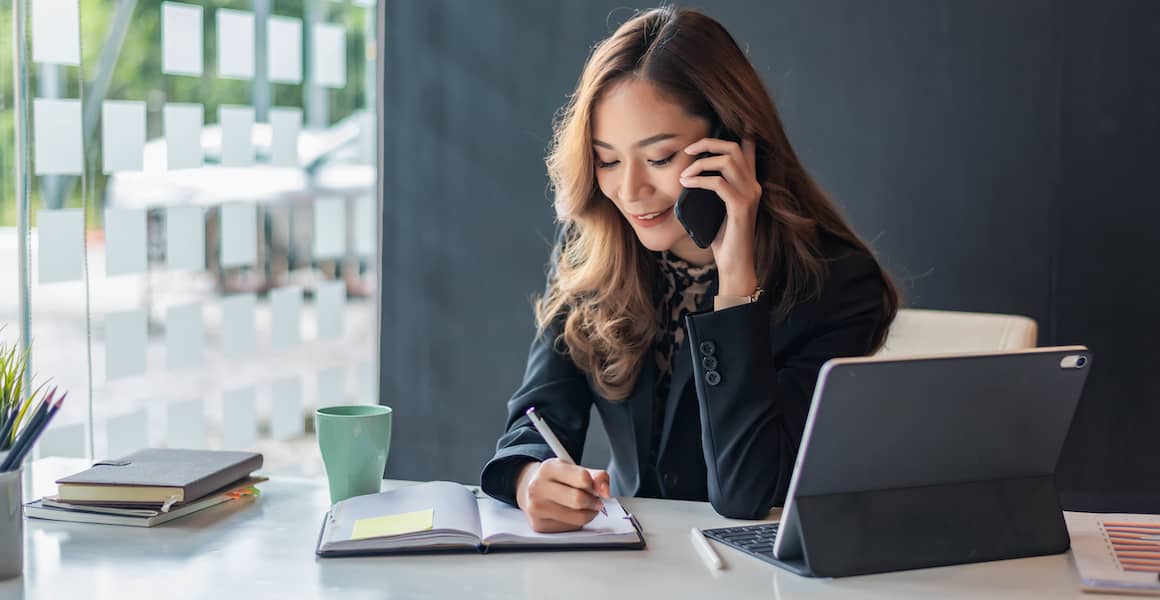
x: 701, y: 212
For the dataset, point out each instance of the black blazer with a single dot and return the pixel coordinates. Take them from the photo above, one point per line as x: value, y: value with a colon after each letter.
x: 740, y: 392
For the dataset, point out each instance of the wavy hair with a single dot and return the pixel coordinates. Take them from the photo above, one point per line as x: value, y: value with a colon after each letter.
x: 601, y: 283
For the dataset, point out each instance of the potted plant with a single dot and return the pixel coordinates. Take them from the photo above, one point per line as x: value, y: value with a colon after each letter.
x: 20, y: 426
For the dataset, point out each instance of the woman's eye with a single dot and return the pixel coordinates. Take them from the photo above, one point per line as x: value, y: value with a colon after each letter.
x: 600, y: 164
x: 664, y: 161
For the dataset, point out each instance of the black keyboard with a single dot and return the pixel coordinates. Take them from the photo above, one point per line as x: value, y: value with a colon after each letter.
x: 754, y: 540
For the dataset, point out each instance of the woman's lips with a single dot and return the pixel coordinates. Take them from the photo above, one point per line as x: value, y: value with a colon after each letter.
x: 652, y: 219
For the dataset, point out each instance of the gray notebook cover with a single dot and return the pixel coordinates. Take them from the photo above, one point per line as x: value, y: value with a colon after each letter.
x: 197, y: 472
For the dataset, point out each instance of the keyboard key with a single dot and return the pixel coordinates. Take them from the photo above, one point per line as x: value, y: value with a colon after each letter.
x: 754, y: 540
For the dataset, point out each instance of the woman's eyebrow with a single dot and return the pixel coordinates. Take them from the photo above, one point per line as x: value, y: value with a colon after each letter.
x: 641, y: 144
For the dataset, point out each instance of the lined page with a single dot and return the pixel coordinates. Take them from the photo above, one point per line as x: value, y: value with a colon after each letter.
x: 503, y: 523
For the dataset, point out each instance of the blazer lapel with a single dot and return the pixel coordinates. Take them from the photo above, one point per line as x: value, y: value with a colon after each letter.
x: 682, y: 373
x: 641, y: 400
x: 641, y: 405
x: 683, y: 369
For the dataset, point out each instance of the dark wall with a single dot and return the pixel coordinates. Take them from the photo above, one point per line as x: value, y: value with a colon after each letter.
x: 1107, y: 285
x: 993, y: 153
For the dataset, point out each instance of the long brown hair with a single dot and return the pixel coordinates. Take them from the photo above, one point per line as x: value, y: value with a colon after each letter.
x: 602, y: 277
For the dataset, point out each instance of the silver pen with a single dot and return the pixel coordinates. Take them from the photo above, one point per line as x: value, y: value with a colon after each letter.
x: 553, y: 442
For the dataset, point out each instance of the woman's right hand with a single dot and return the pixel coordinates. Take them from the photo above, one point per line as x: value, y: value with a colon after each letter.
x: 557, y: 496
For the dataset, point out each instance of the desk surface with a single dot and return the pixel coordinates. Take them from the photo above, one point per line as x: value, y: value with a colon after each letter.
x: 265, y: 549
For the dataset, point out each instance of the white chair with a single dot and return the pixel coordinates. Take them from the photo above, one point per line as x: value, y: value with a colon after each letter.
x: 925, y: 332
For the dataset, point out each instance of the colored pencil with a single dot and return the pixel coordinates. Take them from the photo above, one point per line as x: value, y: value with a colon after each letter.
x: 30, y: 434
x: 6, y: 429
x: 30, y: 416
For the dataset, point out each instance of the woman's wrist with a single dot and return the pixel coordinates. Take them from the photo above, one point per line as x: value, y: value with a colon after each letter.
x: 738, y: 285
x: 526, y: 473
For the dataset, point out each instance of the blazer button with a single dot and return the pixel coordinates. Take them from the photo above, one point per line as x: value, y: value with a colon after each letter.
x: 712, y: 377
x: 709, y: 362
x: 708, y: 348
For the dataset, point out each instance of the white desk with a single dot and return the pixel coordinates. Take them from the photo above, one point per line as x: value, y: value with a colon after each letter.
x: 265, y: 549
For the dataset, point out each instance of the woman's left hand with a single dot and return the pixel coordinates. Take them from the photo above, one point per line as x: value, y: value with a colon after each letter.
x: 734, y: 248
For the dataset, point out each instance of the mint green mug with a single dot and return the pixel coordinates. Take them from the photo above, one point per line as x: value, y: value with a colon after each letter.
x: 354, y: 441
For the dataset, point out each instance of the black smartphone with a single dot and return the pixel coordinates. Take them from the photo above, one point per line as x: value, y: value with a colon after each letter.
x: 700, y: 211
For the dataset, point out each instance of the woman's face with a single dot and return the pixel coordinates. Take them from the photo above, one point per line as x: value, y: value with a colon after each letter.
x: 638, y: 139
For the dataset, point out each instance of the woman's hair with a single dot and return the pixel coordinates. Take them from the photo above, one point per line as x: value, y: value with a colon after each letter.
x: 601, y: 281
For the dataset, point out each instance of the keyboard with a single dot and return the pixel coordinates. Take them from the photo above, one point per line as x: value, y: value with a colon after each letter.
x: 754, y: 540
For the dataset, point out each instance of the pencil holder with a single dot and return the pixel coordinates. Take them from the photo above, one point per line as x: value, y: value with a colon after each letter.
x: 11, y: 524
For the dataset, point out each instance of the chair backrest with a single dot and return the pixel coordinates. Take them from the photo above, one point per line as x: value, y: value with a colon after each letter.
x: 924, y: 332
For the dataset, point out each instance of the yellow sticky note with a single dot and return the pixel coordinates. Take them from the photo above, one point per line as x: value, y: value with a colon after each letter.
x: 388, y: 525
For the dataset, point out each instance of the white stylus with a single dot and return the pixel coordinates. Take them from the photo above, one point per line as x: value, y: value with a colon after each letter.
x: 546, y: 432
x: 708, y: 555
x: 553, y: 442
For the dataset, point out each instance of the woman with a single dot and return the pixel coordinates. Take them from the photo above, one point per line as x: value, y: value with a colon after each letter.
x: 700, y: 361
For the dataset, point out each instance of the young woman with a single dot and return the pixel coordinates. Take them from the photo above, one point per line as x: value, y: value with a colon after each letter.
x: 700, y: 361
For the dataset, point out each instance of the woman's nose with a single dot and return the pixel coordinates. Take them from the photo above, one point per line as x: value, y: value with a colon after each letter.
x: 634, y: 184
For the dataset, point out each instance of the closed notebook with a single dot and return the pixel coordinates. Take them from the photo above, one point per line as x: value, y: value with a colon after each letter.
x: 51, y: 509
x: 157, y: 476
x: 444, y: 516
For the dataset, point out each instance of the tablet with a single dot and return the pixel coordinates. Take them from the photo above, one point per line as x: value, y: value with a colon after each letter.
x: 977, y: 434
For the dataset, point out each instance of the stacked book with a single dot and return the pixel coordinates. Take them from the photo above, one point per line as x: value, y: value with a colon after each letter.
x: 150, y: 487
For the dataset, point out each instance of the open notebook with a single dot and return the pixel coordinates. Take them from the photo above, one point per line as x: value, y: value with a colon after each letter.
x: 444, y: 516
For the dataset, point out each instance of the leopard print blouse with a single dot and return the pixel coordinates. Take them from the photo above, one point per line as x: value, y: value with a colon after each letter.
x: 685, y: 289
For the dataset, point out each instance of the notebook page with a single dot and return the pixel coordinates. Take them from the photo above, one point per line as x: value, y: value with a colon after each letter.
x: 455, y: 517
x: 502, y: 523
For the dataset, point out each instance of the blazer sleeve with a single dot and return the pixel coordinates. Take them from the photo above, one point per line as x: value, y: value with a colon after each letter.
x: 753, y: 404
x: 559, y: 391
